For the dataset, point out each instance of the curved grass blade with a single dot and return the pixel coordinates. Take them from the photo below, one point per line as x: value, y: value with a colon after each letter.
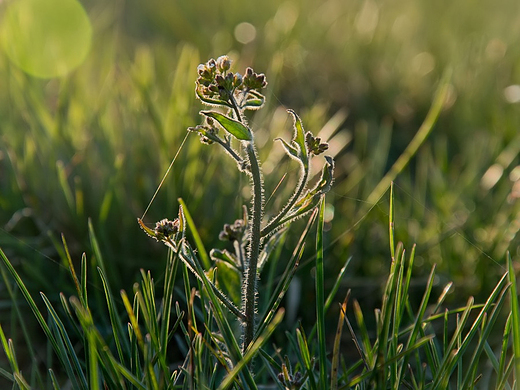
x: 253, y: 350
x: 431, y: 118
x: 67, y: 348
x: 77, y: 383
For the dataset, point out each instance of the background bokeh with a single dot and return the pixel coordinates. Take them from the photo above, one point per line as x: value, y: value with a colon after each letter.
x: 94, y: 143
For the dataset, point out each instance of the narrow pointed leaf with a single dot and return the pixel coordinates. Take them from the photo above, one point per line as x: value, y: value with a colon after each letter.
x: 233, y: 127
x: 299, y: 137
x: 291, y: 150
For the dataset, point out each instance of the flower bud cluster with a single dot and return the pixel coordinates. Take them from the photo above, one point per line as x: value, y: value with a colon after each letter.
x: 254, y: 81
x: 165, y: 228
x: 314, y: 144
x: 214, y: 81
x: 233, y: 232
x: 216, y: 84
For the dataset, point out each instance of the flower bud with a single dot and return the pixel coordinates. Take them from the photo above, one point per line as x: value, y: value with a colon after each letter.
x: 223, y: 64
x: 165, y: 228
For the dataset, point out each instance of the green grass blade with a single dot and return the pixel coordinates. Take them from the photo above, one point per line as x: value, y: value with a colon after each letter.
x: 98, y: 255
x: 54, y: 380
x: 332, y: 294
x: 306, y: 357
x: 169, y: 284
x: 458, y: 343
x: 150, y: 376
x: 320, y: 298
x: 67, y: 352
x: 122, y: 344
x: 252, y: 351
x: 84, y: 283
x: 71, y: 266
x: 21, y: 382
x: 18, y: 313
x: 38, y: 315
x: 365, y: 348
x: 337, y: 341
x: 232, y: 346
x: 391, y: 221
x: 10, y: 357
x: 515, y: 318
x: 196, y: 237
x: 100, y: 358
x: 433, y: 114
x: 418, y: 323
x: 268, y: 363
x: 65, y: 187
x: 504, y: 350
x: 483, y: 337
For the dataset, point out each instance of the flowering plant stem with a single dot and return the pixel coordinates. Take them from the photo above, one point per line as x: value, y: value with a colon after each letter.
x: 250, y: 287
x: 218, y: 86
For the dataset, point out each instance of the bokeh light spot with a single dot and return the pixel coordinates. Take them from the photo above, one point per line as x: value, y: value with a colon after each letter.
x: 245, y: 32
x: 47, y: 38
x: 512, y: 94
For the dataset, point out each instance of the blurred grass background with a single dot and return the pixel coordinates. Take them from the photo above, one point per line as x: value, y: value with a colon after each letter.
x: 95, y: 143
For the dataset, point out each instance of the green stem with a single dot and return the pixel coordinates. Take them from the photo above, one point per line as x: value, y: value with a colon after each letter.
x: 250, y: 287
x: 234, y: 105
x: 229, y: 149
x: 275, y: 222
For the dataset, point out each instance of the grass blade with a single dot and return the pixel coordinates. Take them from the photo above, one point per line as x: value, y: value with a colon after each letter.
x: 320, y: 298
x: 39, y: 317
x: 122, y: 344
x: 438, y: 102
x: 196, y: 237
x: 337, y: 341
x: 515, y: 318
x: 252, y: 351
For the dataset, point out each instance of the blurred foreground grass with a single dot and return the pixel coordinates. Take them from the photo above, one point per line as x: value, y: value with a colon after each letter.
x: 96, y: 143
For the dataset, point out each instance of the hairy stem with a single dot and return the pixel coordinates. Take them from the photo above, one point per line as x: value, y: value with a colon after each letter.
x: 250, y: 289
x: 229, y: 149
x: 234, y: 105
x: 274, y: 223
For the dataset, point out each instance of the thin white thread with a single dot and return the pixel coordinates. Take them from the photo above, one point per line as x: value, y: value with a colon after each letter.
x: 166, y: 174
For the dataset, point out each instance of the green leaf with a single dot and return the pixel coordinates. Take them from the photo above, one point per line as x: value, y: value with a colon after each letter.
x: 229, y: 280
x: 209, y: 101
x: 299, y: 137
x: 255, y: 102
x: 291, y: 151
x: 217, y: 254
x: 235, y: 128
